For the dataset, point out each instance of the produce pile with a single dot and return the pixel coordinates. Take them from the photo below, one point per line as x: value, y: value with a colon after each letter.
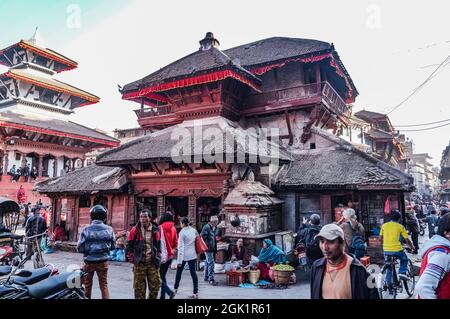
x: 283, y: 267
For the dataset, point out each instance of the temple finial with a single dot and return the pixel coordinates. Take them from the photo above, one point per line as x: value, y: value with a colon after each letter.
x: 36, y: 39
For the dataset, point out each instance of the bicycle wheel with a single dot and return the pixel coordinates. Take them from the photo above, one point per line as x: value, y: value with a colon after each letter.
x: 384, y: 291
x: 410, y: 285
x: 422, y: 231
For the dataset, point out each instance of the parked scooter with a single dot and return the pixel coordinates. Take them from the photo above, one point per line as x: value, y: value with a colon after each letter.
x: 63, y: 286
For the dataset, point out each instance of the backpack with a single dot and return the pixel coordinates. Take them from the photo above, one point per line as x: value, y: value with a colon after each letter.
x: 357, y: 247
x: 313, y: 251
x: 443, y: 289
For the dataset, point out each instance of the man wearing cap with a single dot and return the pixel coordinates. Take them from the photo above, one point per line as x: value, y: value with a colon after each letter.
x: 338, y: 275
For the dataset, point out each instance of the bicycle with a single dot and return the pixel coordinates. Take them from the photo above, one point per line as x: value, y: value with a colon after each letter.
x: 391, y: 291
x: 33, y: 250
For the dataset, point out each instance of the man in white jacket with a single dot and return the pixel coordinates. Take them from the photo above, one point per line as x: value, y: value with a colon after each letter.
x: 434, y: 281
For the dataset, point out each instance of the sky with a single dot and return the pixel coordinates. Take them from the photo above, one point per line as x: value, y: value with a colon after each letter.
x: 388, y: 47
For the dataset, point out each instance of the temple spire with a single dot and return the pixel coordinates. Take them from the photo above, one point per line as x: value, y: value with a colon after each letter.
x: 208, y: 42
x: 36, y: 39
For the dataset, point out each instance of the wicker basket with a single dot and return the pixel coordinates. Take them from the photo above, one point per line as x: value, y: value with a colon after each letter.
x: 253, y: 276
x: 282, y: 277
x: 235, y: 278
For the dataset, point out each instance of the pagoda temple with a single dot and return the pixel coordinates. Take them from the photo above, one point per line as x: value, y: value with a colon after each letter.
x: 35, y: 129
x: 299, y: 88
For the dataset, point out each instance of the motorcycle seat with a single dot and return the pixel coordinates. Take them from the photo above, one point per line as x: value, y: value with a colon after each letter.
x: 7, y: 235
x: 15, y: 237
x: 5, y: 270
x: 36, y: 275
x: 52, y: 285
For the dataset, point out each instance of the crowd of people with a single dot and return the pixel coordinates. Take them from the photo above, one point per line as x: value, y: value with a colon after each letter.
x: 333, y: 253
x: 28, y: 172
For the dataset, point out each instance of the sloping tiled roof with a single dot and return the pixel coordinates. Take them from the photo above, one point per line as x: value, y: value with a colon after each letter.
x: 379, y: 134
x: 251, y: 193
x: 55, y: 126
x: 275, y: 48
x: 158, y: 145
x: 369, y: 115
x: 243, y: 57
x: 85, y: 180
x: 341, y: 167
x: 190, y: 65
x: 48, y: 53
x: 51, y: 84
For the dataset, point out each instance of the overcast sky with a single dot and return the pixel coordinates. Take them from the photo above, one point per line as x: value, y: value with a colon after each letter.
x: 388, y: 47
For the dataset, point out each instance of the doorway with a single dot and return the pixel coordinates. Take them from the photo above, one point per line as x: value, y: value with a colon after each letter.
x: 149, y: 202
x: 207, y: 207
x: 178, y: 206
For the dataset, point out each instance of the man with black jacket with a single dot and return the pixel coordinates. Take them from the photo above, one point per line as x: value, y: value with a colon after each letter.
x: 338, y: 275
x: 144, y: 250
x: 208, y: 233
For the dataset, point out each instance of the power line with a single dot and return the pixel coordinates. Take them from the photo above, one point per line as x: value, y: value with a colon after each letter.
x: 425, y: 129
x: 419, y: 87
x: 423, y: 124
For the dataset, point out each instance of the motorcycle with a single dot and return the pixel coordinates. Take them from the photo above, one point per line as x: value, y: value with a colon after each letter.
x: 11, y: 246
x: 9, y: 242
x: 17, y: 275
x: 62, y: 286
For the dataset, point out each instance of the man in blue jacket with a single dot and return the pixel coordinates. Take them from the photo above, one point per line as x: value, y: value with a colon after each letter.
x: 96, y: 241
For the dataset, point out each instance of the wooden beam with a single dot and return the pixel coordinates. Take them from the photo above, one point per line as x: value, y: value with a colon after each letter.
x: 16, y: 87
x: 6, y: 57
x: 34, y: 59
x: 180, y: 96
x: 319, y: 119
x: 219, y: 167
x: 70, y: 98
x: 247, y: 171
x: 52, y: 63
x: 211, y: 97
x: 15, y: 51
x: 41, y: 96
x: 7, y: 87
x: 188, y: 168
x: 29, y: 91
x: 288, y: 121
x: 57, y: 98
x: 156, y: 168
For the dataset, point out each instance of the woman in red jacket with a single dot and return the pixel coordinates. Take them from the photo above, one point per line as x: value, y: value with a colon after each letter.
x: 169, y: 242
